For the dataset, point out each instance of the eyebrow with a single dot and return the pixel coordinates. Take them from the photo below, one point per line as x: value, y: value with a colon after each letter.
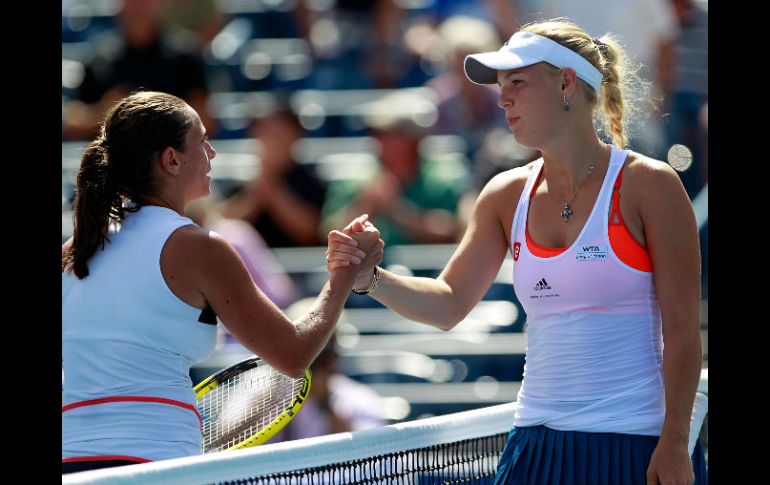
x: 512, y: 73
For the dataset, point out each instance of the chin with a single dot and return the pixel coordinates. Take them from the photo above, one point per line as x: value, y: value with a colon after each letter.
x: 202, y: 194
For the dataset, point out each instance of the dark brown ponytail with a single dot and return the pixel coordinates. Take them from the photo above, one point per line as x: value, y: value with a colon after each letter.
x: 95, y: 200
x: 117, y: 168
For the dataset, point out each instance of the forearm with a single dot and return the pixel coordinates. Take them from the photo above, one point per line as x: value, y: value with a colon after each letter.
x: 681, y: 372
x: 424, y: 300
x: 314, y: 328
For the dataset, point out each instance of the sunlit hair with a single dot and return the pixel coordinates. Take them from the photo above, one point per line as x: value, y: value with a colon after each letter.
x: 117, y: 167
x: 622, y: 91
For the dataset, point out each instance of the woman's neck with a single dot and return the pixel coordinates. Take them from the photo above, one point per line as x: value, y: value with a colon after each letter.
x: 567, y: 164
x: 161, y: 201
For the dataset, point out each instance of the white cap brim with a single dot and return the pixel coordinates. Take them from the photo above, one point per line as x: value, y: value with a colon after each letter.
x: 525, y: 49
x: 482, y: 68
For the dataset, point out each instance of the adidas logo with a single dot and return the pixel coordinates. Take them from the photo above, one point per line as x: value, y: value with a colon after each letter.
x: 542, y: 285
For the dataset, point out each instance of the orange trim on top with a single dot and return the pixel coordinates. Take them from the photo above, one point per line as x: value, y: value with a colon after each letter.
x: 623, y: 243
x: 161, y: 400
x: 535, y: 248
x: 77, y: 459
x: 542, y: 251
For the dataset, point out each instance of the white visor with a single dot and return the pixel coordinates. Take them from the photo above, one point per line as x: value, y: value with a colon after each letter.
x: 524, y: 49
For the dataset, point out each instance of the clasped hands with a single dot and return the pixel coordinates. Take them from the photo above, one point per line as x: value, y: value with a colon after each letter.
x: 358, y: 244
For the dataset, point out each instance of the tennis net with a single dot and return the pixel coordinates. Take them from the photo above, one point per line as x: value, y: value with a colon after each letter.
x: 460, y: 448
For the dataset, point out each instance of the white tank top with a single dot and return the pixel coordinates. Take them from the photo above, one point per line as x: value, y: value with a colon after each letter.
x: 127, y: 346
x: 594, y: 341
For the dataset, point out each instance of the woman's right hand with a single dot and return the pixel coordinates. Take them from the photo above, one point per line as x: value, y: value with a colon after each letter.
x: 358, y: 244
x: 359, y: 230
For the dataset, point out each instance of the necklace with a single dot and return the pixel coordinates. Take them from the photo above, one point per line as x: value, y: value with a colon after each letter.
x: 566, y: 211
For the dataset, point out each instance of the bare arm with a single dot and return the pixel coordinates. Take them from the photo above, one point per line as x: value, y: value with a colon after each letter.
x: 671, y: 236
x: 215, y: 274
x: 444, y: 301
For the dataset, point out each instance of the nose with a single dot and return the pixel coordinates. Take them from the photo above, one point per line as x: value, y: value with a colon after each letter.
x: 503, y: 102
x: 212, y: 151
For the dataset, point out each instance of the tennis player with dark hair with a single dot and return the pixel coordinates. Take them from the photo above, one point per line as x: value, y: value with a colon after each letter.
x: 142, y: 287
x: 606, y: 265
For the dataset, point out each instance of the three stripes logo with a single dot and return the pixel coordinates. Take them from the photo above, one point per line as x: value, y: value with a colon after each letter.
x: 542, y: 285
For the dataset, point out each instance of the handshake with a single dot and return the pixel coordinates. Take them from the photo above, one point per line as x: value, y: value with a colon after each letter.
x: 357, y: 248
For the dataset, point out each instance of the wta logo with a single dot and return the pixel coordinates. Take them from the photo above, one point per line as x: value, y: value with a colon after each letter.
x: 516, y: 249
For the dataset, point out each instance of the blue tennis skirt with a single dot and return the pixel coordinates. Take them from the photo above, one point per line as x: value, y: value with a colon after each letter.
x: 537, y: 455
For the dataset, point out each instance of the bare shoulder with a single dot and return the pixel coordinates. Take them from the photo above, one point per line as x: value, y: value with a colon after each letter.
x: 198, y: 243
x: 645, y: 171
x: 65, y: 248
x: 194, y: 260
x: 653, y: 186
x: 508, y: 184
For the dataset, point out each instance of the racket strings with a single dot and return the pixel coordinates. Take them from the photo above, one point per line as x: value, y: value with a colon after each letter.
x: 244, y: 404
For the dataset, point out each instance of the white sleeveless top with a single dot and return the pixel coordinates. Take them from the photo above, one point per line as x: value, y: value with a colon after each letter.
x: 127, y: 347
x: 594, y: 339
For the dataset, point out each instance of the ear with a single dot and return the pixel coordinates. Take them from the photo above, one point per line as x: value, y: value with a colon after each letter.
x: 169, y: 161
x: 568, y: 78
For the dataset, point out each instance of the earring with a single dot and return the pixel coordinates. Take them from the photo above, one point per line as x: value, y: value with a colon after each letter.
x: 566, y: 103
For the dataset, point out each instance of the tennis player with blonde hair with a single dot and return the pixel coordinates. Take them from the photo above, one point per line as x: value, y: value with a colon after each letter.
x: 605, y: 263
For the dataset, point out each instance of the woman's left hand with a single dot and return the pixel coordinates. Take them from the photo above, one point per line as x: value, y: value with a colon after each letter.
x: 342, y: 251
x: 343, y: 248
x: 670, y: 465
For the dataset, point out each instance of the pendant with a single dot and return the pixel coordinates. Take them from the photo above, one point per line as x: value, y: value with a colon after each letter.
x: 566, y: 212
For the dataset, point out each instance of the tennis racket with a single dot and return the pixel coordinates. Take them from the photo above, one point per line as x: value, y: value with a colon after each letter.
x: 247, y: 403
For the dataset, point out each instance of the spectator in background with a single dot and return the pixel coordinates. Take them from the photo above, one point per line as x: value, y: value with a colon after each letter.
x: 358, y: 44
x: 284, y: 202
x: 504, y: 15
x: 412, y: 199
x: 202, y: 17
x: 464, y: 108
x: 690, y: 90
x: 336, y: 404
x: 140, y: 54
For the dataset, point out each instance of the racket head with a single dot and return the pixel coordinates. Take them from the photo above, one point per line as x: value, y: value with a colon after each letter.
x: 247, y: 403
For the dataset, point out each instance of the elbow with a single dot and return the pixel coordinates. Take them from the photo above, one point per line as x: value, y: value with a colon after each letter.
x: 295, y: 365
x: 445, y: 325
x: 450, y: 308
x: 294, y: 368
x: 296, y: 372
x: 450, y: 320
x: 449, y: 324
x: 288, y: 362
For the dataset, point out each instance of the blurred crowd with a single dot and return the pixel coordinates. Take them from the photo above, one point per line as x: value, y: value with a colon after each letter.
x: 388, y: 73
x: 282, y: 71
